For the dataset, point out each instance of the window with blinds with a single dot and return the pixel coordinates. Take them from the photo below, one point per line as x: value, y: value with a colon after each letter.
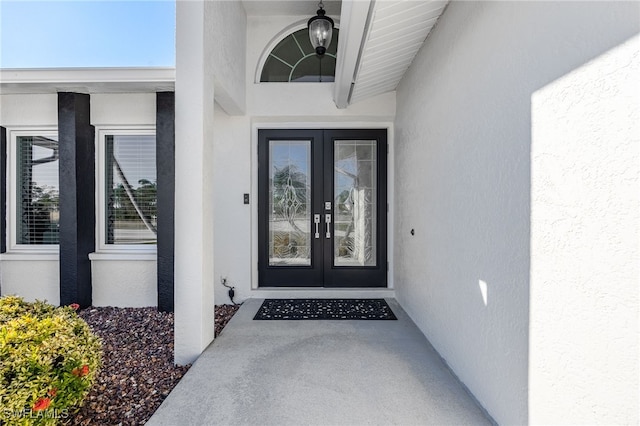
x: 131, y: 189
x: 38, y: 200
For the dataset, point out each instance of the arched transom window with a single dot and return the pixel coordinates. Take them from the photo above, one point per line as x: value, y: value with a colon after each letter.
x: 295, y: 60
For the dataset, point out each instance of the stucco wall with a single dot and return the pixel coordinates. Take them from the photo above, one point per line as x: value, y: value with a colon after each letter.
x: 284, y: 105
x: 228, y: 30
x: 463, y: 164
x: 32, y: 276
x: 36, y: 276
x: 232, y: 227
x: 585, y: 233
x: 124, y: 280
x: 194, y: 219
x: 29, y: 110
x: 120, y: 277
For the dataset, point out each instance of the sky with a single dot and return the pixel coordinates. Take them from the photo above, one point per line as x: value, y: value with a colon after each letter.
x: 87, y: 33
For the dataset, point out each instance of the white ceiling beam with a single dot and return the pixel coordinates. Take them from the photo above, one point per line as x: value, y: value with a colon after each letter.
x: 353, y: 23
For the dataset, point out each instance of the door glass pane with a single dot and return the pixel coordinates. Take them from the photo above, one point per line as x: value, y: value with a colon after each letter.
x: 289, y: 203
x: 355, y: 189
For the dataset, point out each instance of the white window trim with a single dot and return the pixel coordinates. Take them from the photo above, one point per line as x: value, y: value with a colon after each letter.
x: 12, y: 183
x: 101, y: 205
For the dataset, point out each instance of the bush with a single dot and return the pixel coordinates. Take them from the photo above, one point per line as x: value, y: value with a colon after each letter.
x: 49, y: 359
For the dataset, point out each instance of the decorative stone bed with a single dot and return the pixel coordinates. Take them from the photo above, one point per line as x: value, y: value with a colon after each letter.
x: 138, y: 371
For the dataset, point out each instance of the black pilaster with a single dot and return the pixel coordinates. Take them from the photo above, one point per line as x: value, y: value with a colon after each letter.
x: 165, y: 169
x: 77, y: 197
x: 3, y: 190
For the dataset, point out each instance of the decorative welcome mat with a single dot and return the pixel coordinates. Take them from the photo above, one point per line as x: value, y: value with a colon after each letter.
x: 324, y: 309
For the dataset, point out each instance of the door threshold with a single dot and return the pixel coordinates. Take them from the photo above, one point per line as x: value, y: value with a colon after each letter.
x: 322, y: 293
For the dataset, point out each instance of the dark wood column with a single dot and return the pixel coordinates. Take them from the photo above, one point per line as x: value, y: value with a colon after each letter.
x: 3, y: 190
x: 165, y: 169
x: 77, y: 197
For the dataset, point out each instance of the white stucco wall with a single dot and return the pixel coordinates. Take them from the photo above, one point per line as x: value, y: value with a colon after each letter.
x: 232, y: 228
x: 274, y: 105
x: 585, y: 236
x: 30, y: 275
x: 124, y: 280
x: 123, y: 109
x: 463, y: 165
x: 228, y: 53
x: 29, y: 110
x: 121, y: 277
x: 194, y: 215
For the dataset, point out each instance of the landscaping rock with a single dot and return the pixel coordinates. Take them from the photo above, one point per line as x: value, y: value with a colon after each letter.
x: 138, y: 370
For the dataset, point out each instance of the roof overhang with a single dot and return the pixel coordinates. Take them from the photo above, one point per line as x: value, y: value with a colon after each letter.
x: 378, y: 41
x: 87, y: 80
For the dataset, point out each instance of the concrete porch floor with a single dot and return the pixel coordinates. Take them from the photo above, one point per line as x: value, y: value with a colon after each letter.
x: 319, y: 373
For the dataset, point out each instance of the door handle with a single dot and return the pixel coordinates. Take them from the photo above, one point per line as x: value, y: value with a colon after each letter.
x: 327, y: 220
x: 316, y: 220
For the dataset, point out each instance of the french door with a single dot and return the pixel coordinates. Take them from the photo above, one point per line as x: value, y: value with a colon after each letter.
x: 322, y: 208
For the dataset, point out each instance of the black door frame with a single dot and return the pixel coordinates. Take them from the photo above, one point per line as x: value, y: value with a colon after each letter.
x: 322, y: 273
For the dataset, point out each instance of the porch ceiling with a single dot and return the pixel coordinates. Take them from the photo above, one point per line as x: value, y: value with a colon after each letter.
x: 395, y: 32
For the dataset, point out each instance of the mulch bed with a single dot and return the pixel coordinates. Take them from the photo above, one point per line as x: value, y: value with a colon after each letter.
x: 138, y: 371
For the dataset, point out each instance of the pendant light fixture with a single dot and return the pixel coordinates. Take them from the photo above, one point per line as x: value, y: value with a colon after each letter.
x: 320, y: 30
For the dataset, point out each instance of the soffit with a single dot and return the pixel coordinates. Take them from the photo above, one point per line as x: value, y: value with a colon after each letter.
x: 290, y: 7
x: 395, y: 32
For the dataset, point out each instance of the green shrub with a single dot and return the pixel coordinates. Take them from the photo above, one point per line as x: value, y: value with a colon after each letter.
x: 49, y: 358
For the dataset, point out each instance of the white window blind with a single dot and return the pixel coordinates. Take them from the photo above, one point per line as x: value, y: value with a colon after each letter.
x: 38, y: 201
x: 131, y: 189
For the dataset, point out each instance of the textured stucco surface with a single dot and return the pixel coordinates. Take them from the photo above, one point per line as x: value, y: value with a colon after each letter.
x: 33, y: 279
x: 281, y: 105
x: 123, y: 109
x: 28, y: 110
x: 232, y: 228
x: 585, y: 235
x: 463, y: 165
x: 124, y: 282
x: 30, y: 276
x: 34, y: 276
x: 194, y: 279
x: 229, y: 30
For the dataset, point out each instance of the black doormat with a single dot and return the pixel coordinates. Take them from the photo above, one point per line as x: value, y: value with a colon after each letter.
x: 324, y: 309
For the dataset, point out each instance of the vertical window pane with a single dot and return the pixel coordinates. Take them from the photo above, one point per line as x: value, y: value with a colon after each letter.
x: 289, y: 203
x: 355, y: 203
x: 131, y: 189
x: 38, y: 206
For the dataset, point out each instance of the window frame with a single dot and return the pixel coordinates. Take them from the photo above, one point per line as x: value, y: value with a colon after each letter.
x: 101, y: 180
x: 12, y: 182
